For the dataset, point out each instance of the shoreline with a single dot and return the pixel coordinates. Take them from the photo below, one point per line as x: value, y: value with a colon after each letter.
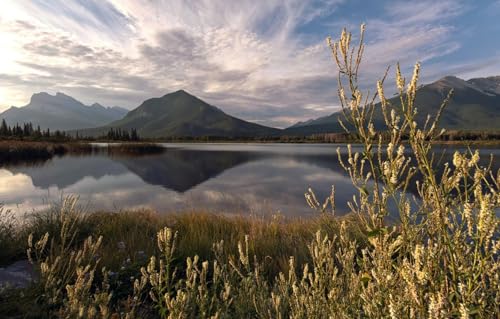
x: 20, y: 151
x: 494, y: 142
x: 199, y: 229
x: 13, y: 151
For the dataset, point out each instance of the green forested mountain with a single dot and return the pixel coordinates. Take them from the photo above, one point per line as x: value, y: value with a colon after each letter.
x: 182, y: 114
x: 474, y: 105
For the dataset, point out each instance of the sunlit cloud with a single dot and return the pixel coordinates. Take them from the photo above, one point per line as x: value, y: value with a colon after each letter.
x: 264, y: 61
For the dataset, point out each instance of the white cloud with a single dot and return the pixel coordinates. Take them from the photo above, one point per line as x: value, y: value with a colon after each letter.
x: 245, y: 56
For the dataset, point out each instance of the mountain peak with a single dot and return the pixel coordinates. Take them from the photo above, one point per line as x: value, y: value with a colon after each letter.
x: 474, y: 105
x: 62, y: 112
x: 44, y: 100
x: 182, y: 114
x: 179, y: 93
x: 97, y: 105
x: 182, y: 95
x: 495, y: 78
x: 451, y: 79
x: 449, y: 82
x: 40, y: 95
x: 490, y: 85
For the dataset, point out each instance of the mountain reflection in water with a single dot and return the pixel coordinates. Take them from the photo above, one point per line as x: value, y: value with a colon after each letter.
x: 226, y: 178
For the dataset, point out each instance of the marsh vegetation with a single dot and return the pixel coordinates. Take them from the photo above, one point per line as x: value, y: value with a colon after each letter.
x: 15, y: 151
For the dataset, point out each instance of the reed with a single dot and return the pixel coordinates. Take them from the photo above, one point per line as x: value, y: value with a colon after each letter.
x: 135, y: 149
x: 19, y: 151
x: 14, y: 151
x: 127, y: 239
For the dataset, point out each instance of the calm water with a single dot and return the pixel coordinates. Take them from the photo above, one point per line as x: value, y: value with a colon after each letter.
x: 227, y: 178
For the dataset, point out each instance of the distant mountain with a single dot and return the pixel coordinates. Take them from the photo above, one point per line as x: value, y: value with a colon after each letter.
x: 182, y: 114
x: 303, y: 123
x: 488, y: 85
x: 474, y: 105
x: 61, y: 112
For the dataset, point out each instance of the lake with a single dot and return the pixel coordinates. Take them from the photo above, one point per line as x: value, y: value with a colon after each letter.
x: 226, y: 178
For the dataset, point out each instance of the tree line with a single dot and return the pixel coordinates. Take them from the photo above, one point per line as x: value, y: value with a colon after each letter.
x: 122, y: 135
x: 29, y: 131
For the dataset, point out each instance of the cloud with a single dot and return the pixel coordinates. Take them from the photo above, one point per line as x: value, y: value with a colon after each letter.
x: 264, y: 61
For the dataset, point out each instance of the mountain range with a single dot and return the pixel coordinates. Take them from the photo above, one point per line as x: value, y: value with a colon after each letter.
x: 474, y: 105
x: 61, y: 112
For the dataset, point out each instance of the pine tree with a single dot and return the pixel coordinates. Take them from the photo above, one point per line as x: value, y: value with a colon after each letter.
x: 4, y: 129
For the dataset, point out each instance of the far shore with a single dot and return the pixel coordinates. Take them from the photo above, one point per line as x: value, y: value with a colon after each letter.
x: 211, y: 140
x: 23, y: 150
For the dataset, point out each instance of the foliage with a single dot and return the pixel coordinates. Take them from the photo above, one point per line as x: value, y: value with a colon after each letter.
x: 27, y: 130
x: 14, y: 151
x: 129, y: 238
x: 21, y: 151
x: 119, y: 134
x: 9, y: 237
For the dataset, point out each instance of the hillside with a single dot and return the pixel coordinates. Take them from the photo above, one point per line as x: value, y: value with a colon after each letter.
x: 474, y: 105
x: 61, y: 112
x: 182, y: 114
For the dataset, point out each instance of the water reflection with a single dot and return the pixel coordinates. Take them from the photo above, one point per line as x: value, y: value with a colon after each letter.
x: 180, y: 170
x: 229, y: 178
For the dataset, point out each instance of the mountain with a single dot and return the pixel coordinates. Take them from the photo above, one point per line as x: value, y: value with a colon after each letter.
x: 303, y: 123
x: 488, y: 85
x: 61, y: 112
x: 182, y: 114
x: 474, y: 105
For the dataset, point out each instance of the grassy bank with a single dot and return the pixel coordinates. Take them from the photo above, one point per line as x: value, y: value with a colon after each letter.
x: 131, y: 232
x: 14, y: 151
x: 129, y: 238
x: 134, y: 148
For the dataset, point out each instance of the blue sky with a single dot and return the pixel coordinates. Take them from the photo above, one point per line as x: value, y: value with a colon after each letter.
x: 264, y: 61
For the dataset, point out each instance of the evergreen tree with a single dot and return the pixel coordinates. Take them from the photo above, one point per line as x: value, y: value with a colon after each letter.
x: 4, y: 129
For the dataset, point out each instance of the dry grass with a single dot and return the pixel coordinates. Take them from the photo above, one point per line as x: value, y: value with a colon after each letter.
x: 18, y: 151
x: 26, y: 151
x: 135, y: 149
x: 131, y: 235
x: 129, y: 238
x: 11, y: 238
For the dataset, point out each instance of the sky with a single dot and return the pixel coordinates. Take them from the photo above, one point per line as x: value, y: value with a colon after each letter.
x: 261, y: 60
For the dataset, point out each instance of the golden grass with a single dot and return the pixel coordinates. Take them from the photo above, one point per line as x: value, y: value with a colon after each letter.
x: 129, y: 238
x: 18, y: 151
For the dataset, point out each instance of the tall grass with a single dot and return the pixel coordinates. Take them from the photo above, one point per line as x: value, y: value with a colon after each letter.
x: 18, y: 151
x: 441, y: 260
x: 10, y: 237
x: 122, y: 242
